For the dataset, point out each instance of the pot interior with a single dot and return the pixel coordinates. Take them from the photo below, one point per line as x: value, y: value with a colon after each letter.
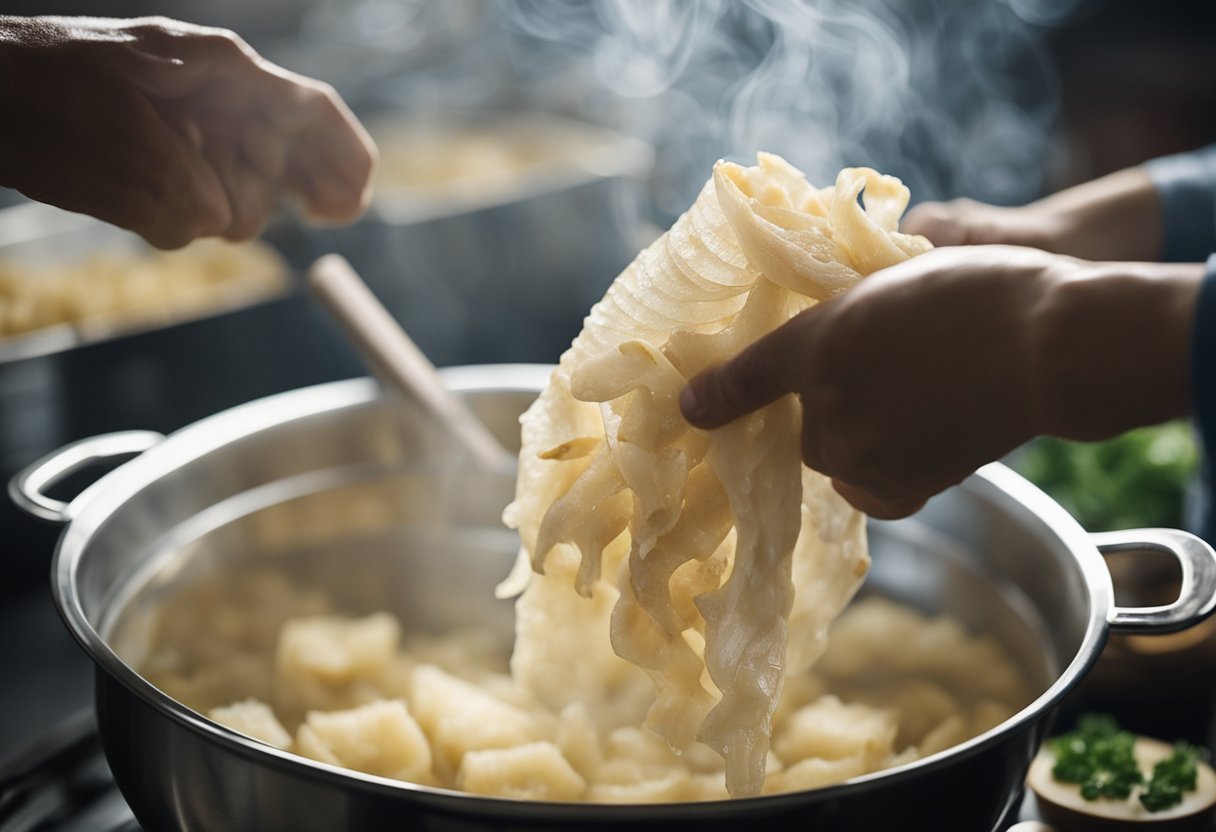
x: 358, y: 501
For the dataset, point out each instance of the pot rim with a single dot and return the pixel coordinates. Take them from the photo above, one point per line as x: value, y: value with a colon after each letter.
x: 106, y: 495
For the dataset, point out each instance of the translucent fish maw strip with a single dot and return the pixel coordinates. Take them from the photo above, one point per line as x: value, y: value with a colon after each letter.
x: 723, y: 561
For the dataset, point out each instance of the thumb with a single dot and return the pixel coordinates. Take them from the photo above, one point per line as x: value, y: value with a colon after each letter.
x: 761, y: 374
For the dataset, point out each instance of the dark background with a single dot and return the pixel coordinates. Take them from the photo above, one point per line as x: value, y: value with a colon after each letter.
x: 1123, y: 82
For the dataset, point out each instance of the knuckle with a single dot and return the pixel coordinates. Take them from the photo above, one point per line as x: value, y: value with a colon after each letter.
x: 319, y: 98
x: 157, y: 24
x: 228, y: 41
x: 327, y: 91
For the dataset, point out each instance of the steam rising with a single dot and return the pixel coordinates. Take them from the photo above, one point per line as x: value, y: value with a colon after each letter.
x: 953, y: 97
x: 956, y: 97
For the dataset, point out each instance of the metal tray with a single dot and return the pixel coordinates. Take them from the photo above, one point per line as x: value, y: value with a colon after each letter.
x: 63, y: 383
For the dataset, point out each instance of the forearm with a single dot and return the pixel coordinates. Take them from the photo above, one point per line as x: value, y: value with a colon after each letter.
x: 1116, y: 217
x: 1162, y: 210
x: 9, y: 39
x: 1111, y: 348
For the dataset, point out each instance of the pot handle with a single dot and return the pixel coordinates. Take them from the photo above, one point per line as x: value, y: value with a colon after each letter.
x: 27, y: 489
x: 1197, y: 596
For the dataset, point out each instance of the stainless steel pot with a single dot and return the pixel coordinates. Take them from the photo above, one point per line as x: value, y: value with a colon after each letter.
x: 337, y: 484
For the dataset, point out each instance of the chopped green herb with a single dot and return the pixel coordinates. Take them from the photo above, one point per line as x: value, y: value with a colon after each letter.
x: 1172, y: 777
x: 1098, y: 756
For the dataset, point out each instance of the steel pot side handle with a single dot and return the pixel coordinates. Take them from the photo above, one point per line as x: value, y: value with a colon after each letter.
x: 28, y: 487
x: 1197, y: 595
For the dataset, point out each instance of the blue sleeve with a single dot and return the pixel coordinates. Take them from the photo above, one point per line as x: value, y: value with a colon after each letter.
x: 1203, y: 361
x: 1186, y: 184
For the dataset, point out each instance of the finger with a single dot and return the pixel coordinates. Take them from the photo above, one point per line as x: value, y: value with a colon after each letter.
x: 324, y: 183
x: 221, y: 76
x: 341, y: 158
x: 171, y: 194
x: 243, y: 150
x: 888, y: 508
x: 300, y: 187
x: 259, y: 199
x: 250, y: 196
x: 192, y: 203
x: 761, y: 374
x: 812, y: 443
x: 324, y: 137
x: 262, y: 148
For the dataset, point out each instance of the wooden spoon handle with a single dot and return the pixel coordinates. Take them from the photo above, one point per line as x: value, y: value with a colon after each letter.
x: 395, y: 359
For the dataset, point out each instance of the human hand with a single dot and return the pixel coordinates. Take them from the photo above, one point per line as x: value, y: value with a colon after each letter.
x: 965, y: 222
x: 1117, y: 217
x: 924, y: 371
x: 171, y: 130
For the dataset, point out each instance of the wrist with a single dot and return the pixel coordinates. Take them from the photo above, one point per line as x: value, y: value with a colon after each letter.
x: 1117, y: 217
x: 1111, y: 347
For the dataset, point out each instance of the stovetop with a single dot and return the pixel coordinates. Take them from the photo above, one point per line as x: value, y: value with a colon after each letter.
x: 62, y: 783
x: 46, y: 677
x: 53, y: 775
